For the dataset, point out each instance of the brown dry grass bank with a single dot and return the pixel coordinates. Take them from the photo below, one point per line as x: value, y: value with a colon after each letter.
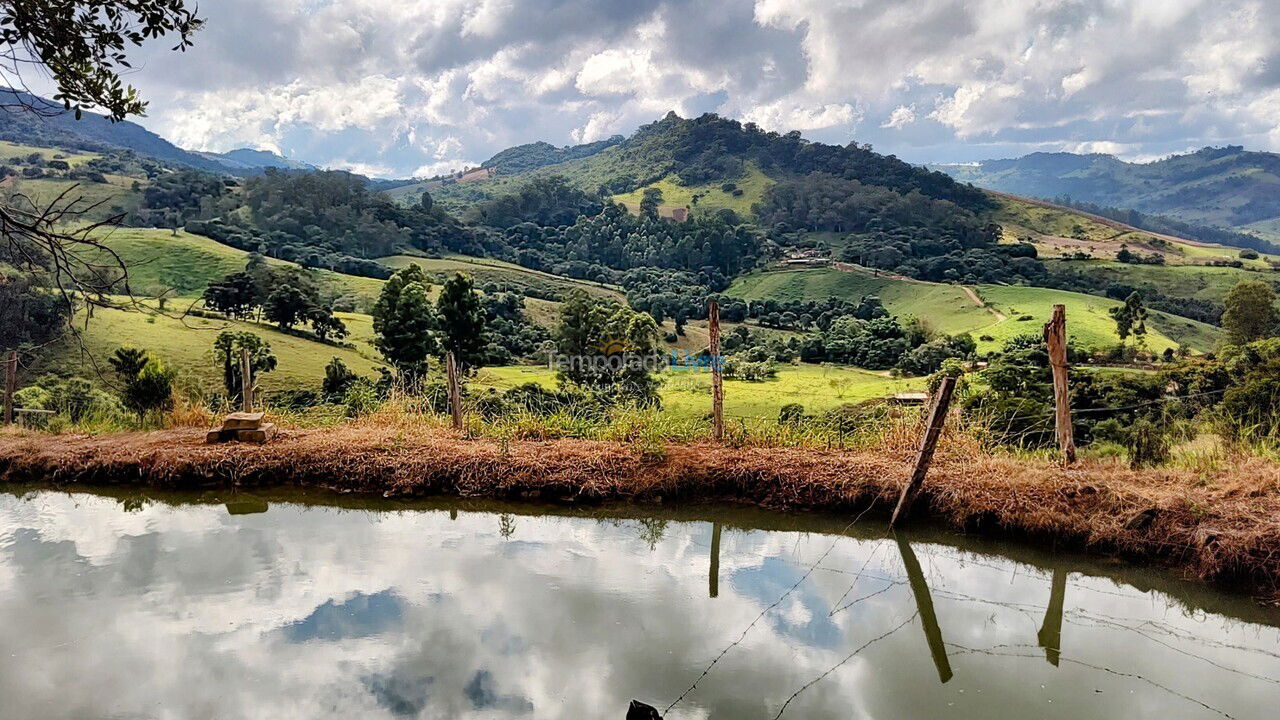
x: 1220, y: 526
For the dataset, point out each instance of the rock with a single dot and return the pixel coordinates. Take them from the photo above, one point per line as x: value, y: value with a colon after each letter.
x: 640, y: 711
x: 1142, y: 520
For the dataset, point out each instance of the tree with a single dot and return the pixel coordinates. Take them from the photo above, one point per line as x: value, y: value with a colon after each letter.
x: 128, y: 362
x: 405, y: 322
x: 325, y: 325
x: 286, y: 306
x: 235, y: 295
x: 148, y: 383
x: 605, y: 346
x: 337, y: 378
x: 650, y: 201
x: 462, y: 321
x: 1250, y: 312
x: 1131, y: 318
x: 227, y: 348
x: 80, y: 45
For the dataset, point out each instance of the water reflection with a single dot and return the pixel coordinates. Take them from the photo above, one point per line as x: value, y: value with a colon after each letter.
x: 248, y: 607
x: 924, y: 607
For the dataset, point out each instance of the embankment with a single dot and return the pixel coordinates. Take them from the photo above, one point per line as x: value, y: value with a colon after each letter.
x: 1219, y: 526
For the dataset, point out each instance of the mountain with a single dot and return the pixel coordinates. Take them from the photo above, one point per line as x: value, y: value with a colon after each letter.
x: 246, y: 159
x: 55, y: 127
x: 704, y: 163
x: 532, y: 156
x: 1226, y: 187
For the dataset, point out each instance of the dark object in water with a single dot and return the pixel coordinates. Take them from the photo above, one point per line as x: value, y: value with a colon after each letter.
x: 640, y: 711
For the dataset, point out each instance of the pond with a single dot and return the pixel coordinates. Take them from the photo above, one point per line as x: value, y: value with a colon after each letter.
x: 318, y: 606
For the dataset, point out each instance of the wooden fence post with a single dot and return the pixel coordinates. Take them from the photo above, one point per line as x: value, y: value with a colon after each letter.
x: 10, y: 385
x: 717, y: 371
x: 1055, y: 336
x: 246, y: 381
x: 455, y: 395
x: 933, y: 430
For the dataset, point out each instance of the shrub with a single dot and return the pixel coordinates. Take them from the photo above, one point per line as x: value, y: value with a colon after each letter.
x: 1147, y: 443
x: 791, y: 414
x: 1252, y: 410
x: 360, y: 398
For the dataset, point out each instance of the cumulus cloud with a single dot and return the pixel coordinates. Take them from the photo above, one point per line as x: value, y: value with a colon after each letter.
x: 902, y: 116
x: 365, y: 81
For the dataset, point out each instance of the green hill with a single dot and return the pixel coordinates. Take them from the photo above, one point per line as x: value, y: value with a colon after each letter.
x: 1010, y: 311
x: 184, y: 264
x: 1199, y: 282
x: 488, y: 270
x: 737, y: 196
x: 186, y: 342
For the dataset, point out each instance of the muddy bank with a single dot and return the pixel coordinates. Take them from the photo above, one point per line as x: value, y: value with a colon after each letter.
x: 1222, y: 527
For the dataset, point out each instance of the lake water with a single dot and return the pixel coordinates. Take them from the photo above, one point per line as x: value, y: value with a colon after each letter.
x: 280, y: 607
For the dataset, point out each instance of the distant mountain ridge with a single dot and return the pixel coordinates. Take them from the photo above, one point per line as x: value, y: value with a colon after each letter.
x: 91, y: 132
x: 1227, y: 187
x: 56, y: 127
x: 250, y: 159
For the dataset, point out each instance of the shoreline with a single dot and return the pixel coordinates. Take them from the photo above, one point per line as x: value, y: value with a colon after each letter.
x: 1221, y: 527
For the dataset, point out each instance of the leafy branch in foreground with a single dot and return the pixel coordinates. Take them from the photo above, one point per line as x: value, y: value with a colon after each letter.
x: 82, y: 45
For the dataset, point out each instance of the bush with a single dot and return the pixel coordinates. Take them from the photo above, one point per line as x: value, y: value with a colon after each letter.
x: 360, y: 398
x: 791, y: 414
x: 1147, y: 443
x: 1252, y: 410
x: 151, y: 389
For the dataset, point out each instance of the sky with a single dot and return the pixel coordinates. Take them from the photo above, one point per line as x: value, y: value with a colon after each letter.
x: 393, y: 89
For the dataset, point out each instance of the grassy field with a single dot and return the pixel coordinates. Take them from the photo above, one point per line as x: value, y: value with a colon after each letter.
x: 1202, y: 282
x: 185, y: 264
x: 186, y: 345
x: 817, y: 387
x: 1028, y: 220
x: 97, y: 201
x: 1088, y: 323
x: 709, y: 197
x: 487, y: 270
x: 946, y: 308
x: 73, y: 157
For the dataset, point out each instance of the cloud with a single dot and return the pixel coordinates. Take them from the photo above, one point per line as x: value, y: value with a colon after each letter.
x: 363, y: 81
x: 902, y: 116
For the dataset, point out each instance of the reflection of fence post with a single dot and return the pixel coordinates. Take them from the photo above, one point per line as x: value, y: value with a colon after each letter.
x: 246, y: 381
x: 1050, y: 635
x: 924, y: 605
x: 933, y: 430
x: 455, y: 396
x: 1055, y: 336
x: 717, y: 370
x: 714, y: 575
x: 10, y: 385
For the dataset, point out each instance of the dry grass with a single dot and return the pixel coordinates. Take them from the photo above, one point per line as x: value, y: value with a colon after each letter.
x: 1219, y: 525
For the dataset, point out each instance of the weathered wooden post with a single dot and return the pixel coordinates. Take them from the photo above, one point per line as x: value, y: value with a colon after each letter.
x: 455, y: 395
x: 10, y: 385
x: 246, y: 381
x: 933, y: 430
x: 717, y: 370
x: 1055, y: 336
